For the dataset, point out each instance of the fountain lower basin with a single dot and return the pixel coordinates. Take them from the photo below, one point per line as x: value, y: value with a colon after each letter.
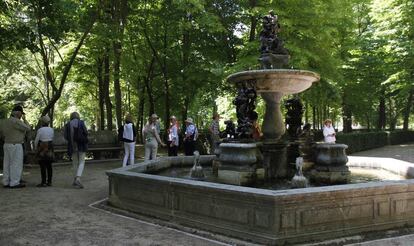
x: 263, y: 216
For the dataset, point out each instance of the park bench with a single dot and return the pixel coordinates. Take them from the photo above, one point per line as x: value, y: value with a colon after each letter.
x: 102, y: 145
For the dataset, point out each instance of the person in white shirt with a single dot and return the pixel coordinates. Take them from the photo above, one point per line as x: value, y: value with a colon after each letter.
x: 173, y: 140
x: 329, y: 132
x: 43, y: 145
x: 151, y: 138
x: 191, y: 134
x: 128, y: 136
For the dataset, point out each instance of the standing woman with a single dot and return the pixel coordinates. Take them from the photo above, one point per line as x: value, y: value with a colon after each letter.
x: 43, y: 145
x: 173, y: 140
x: 329, y: 132
x: 76, y: 134
x: 128, y: 136
x: 151, y: 138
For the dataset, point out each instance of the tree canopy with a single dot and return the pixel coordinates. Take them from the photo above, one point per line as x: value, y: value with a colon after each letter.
x: 107, y: 58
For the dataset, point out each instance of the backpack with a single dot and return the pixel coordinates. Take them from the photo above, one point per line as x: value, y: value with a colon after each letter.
x: 80, y: 136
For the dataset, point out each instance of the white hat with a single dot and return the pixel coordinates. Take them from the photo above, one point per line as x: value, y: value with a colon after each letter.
x: 189, y: 120
x: 45, y: 119
x: 154, y: 116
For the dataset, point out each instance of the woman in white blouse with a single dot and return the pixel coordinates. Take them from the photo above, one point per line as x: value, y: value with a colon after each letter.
x: 151, y: 138
x: 43, y: 145
x: 329, y: 132
x: 173, y: 138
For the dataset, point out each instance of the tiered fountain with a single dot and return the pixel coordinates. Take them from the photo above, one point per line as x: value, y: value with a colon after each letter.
x: 272, y: 82
x: 271, y: 217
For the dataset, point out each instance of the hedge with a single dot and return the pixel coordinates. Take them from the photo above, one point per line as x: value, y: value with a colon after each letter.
x: 369, y: 140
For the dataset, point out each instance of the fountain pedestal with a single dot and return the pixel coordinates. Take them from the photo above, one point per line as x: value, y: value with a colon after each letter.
x: 273, y: 126
x: 330, y: 164
x: 238, y: 163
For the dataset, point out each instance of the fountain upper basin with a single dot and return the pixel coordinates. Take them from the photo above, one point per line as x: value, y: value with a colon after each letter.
x: 286, y: 81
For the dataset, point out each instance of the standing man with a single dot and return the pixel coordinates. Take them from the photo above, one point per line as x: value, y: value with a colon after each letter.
x: 76, y: 134
x: 14, y: 131
x: 215, y: 132
x: 191, y: 134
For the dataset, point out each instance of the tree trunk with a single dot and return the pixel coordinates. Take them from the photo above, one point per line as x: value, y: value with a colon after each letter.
x: 118, y: 18
x: 314, y: 120
x: 141, y: 105
x: 306, y: 112
x: 117, y: 86
x: 407, y: 110
x: 346, y: 115
x: 184, y: 113
x: 253, y: 21
x: 393, y: 115
x: 66, y: 69
x: 368, y: 122
x: 147, y: 81
x: 166, y: 84
x: 101, y: 94
x: 381, y: 111
x: 108, y: 104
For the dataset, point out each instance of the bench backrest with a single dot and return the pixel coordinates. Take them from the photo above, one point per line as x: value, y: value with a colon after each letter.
x: 96, y: 138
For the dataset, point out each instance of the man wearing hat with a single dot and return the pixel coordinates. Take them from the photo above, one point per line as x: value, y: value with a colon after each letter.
x: 14, y: 131
x: 191, y: 134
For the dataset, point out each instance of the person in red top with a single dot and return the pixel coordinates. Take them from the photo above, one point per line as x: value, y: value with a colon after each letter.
x: 256, y: 130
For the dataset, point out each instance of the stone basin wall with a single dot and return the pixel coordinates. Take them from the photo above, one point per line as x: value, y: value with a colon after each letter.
x: 263, y: 216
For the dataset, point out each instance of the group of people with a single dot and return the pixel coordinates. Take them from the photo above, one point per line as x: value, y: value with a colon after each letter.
x: 14, y: 130
x: 151, y: 138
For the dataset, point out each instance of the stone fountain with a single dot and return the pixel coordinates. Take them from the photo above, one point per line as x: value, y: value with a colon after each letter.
x: 267, y: 217
x: 273, y: 82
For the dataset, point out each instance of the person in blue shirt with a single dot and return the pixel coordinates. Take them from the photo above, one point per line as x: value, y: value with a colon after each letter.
x: 191, y: 134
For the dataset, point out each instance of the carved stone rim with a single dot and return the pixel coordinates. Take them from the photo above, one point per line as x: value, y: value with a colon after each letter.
x: 239, y: 145
x: 264, y: 73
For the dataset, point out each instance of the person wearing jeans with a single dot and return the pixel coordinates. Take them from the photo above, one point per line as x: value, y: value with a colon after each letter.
x: 127, y: 134
x: 75, y: 130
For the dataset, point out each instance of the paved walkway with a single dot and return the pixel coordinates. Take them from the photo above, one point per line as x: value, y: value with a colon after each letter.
x: 62, y: 215
x: 403, y: 152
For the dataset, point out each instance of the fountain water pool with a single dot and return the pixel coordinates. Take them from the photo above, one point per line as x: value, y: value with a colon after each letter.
x: 264, y: 216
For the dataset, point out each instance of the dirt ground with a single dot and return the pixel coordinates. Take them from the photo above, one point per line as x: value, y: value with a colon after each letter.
x: 61, y: 215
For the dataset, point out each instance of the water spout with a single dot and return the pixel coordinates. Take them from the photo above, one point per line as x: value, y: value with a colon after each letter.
x: 299, y: 181
x: 196, y: 171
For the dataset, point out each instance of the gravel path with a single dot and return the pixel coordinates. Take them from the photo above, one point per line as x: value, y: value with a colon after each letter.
x: 60, y: 215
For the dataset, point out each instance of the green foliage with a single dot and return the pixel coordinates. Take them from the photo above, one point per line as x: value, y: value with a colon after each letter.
x: 363, y: 50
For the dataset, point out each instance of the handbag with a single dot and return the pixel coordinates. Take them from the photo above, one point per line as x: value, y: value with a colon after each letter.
x: 45, y: 152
